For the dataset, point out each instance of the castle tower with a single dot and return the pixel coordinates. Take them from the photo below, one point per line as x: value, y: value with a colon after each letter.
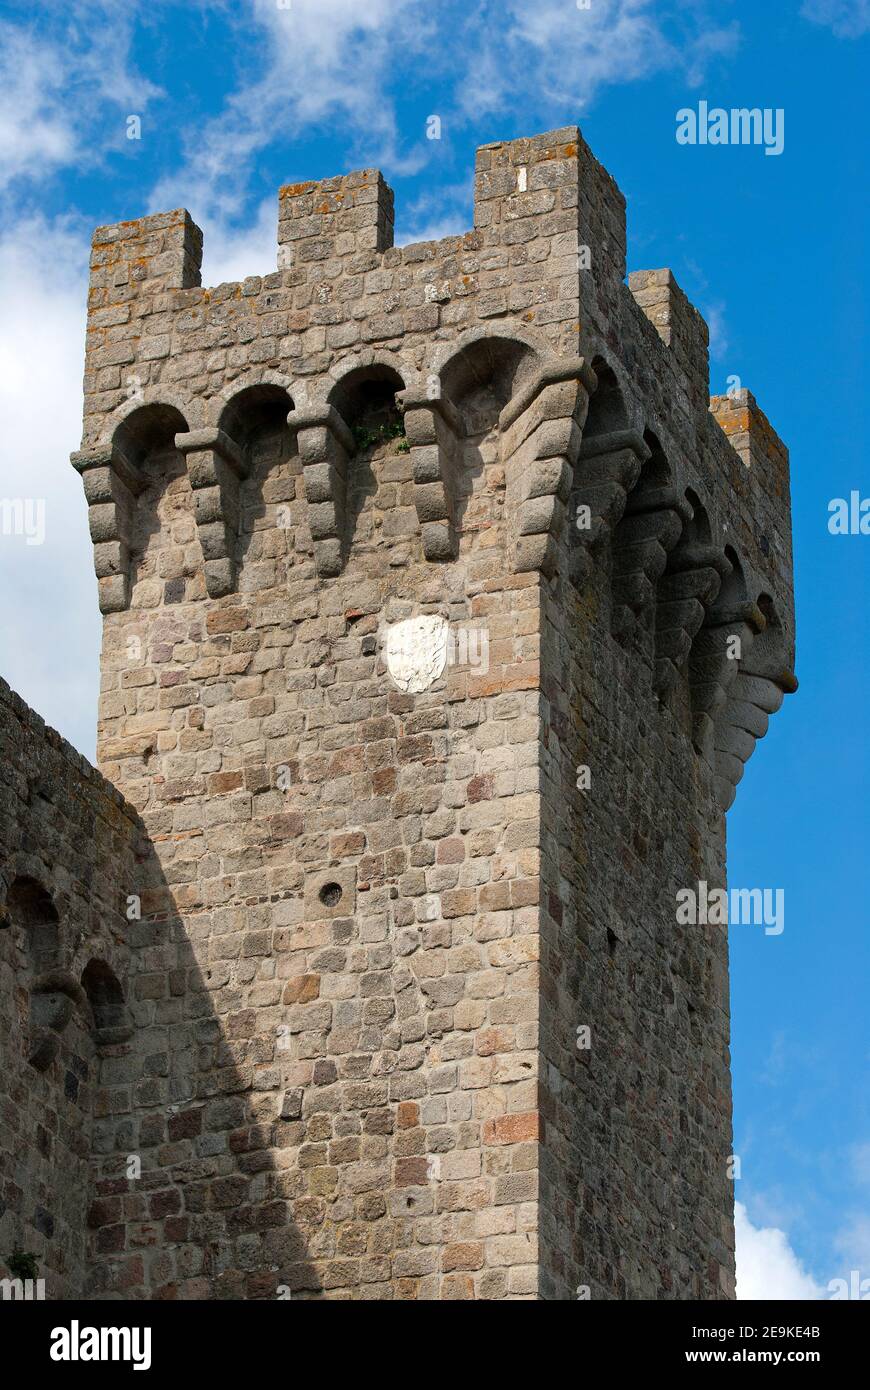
x: 442, y: 609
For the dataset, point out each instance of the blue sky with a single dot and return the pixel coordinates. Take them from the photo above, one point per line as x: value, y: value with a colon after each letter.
x: 235, y: 99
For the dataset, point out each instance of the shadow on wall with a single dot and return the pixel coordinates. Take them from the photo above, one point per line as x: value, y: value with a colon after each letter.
x: 141, y: 1135
x: 256, y: 420
x: 478, y: 382
x: 366, y: 400
x: 146, y: 439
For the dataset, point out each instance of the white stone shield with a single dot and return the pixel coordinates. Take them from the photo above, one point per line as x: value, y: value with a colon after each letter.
x: 415, y: 651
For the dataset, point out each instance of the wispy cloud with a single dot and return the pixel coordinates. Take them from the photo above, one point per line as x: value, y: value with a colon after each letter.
x: 53, y: 92
x: 320, y: 61
x: 35, y: 131
x: 510, y: 49
x: 852, y: 1243
x: 441, y: 211
x: 849, y: 19
x: 230, y: 253
x: 715, y: 312
x: 852, y: 1240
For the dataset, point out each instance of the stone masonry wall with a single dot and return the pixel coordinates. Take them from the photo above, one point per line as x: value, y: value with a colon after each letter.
x: 635, y: 1196
x: 379, y: 1052
x: 65, y: 837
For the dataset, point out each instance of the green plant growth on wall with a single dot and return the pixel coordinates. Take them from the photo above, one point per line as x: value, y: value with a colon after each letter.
x: 367, y: 436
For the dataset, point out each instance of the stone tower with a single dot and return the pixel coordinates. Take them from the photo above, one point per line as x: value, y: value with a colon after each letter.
x: 442, y: 609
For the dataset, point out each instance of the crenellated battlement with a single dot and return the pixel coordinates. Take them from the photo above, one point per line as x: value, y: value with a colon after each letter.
x: 544, y: 265
x: 530, y: 307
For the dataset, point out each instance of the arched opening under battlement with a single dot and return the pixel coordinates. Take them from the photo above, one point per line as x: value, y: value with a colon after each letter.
x: 483, y: 376
x: 769, y: 656
x: 148, y: 430
x: 254, y: 411
x: 43, y: 1002
x: 656, y: 471
x: 650, y: 527
x: 686, y: 591
x: 607, y: 412
x: 106, y: 999
x: 33, y: 919
x: 475, y: 384
x: 161, y: 495
x: 365, y: 398
x: 255, y: 419
x: 767, y: 607
x: 734, y: 593
x: 697, y: 529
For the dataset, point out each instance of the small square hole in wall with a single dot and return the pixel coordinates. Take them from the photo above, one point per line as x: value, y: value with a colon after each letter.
x: 330, y: 893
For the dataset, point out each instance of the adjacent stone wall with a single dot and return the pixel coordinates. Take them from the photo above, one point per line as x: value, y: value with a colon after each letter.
x: 67, y: 842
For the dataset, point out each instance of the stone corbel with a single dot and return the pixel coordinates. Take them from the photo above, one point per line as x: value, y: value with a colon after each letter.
x: 750, y: 692
x: 54, y: 997
x: 434, y: 431
x: 650, y: 528
x: 608, y: 467
x: 541, y: 429
x: 215, y: 467
x: 753, y: 698
x: 112, y: 482
x: 686, y: 592
x: 713, y: 668
x: 326, y: 446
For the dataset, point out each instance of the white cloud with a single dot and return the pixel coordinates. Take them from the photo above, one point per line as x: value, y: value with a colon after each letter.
x: 35, y: 131
x: 232, y: 253
x: 620, y: 39
x: 849, y: 19
x: 50, y: 623
x: 614, y: 41
x: 321, y: 61
x: 445, y: 210
x: 53, y: 93
x: 852, y: 1241
x: 767, y: 1267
